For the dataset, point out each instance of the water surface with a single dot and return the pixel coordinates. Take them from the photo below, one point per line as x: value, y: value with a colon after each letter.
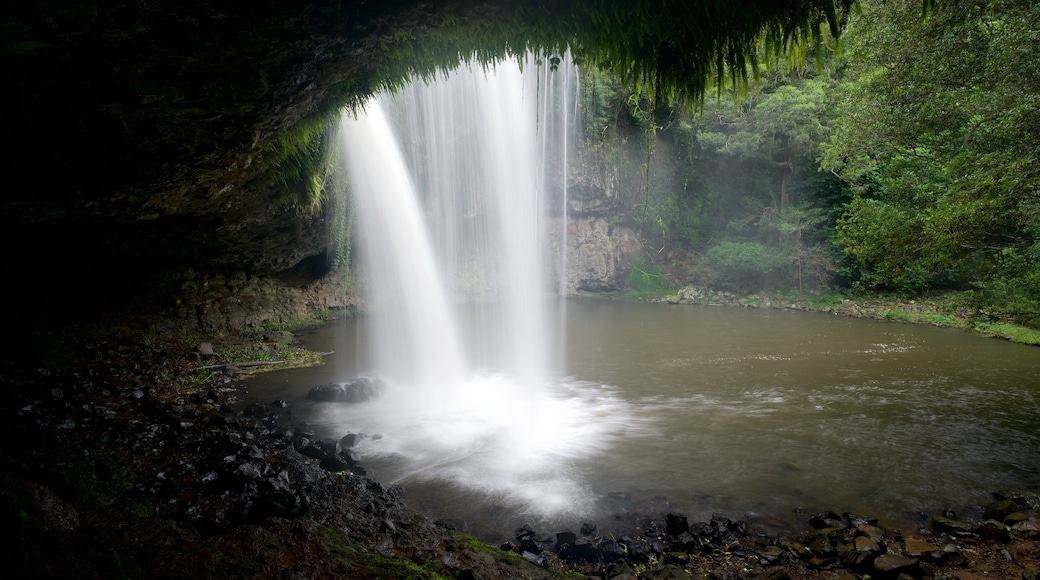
x: 693, y: 409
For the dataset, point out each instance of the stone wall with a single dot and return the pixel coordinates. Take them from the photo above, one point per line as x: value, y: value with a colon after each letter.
x: 598, y: 254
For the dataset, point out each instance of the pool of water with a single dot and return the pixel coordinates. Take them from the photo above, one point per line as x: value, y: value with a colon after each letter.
x: 756, y: 414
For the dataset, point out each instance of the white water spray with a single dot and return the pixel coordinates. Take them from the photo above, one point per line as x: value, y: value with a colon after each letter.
x: 418, y: 337
x: 456, y: 269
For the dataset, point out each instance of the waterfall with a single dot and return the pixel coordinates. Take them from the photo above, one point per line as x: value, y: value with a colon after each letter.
x: 455, y: 182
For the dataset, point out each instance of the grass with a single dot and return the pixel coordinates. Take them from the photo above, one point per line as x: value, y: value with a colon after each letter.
x: 934, y: 311
x: 1012, y: 332
x: 932, y: 318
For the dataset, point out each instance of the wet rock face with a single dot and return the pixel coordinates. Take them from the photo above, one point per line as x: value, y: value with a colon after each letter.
x: 598, y: 254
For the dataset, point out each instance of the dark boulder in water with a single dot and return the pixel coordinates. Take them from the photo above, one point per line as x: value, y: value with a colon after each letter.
x: 358, y: 390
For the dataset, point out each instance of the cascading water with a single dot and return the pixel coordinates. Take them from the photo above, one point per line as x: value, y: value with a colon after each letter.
x: 456, y: 268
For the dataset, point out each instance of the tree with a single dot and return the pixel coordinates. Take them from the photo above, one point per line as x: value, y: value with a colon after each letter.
x: 782, y: 126
x: 938, y: 135
x: 775, y: 136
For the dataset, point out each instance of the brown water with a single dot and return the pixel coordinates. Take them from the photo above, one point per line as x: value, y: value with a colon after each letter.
x: 751, y: 413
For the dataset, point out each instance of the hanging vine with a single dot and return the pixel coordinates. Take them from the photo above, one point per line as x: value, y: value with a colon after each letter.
x: 650, y: 141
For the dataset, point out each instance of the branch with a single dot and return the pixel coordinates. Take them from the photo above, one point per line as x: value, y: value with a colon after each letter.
x: 971, y: 130
x: 254, y: 363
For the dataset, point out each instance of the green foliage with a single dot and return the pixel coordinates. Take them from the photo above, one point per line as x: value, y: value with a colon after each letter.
x: 743, y: 266
x: 342, y: 223
x: 299, y: 162
x: 938, y: 137
x: 645, y: 280
x: 886, y: 242
x: 600, y: 104
x: 675, y: 52
x: 782, y: 124
x: 1012, y: 295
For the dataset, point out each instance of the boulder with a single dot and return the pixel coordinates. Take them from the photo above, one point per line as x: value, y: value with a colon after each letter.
x: 893, y: 564
x: 992, y: 530
x: 865, y: 544
x: 917, y: 547
x: 1000, y: 509
x: 952, y: 527
x: 676, y: 524
x: 358, y: 390
x: 582, y: 549
x: 638, y: 549
x: 351, y: 439
x: 565, y: 538
x: 827, y: 520
x: 1028, y: 529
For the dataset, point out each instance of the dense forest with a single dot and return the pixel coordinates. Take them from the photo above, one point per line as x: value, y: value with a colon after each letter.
x: 900, y: 161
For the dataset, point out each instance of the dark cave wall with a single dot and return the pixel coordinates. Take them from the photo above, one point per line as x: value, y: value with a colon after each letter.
x: 142, y: 136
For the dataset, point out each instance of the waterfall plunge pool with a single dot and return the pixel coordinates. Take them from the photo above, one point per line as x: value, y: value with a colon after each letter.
x: 687, y: 409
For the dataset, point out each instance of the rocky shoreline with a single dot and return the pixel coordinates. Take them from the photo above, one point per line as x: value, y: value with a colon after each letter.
x: 110, y: 472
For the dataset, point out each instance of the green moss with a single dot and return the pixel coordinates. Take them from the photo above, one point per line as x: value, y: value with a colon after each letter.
x: 365, y: 564
x: 92, y: 483
x: 476, y: 545
x: 138, y: 510
x: 314, y: 320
